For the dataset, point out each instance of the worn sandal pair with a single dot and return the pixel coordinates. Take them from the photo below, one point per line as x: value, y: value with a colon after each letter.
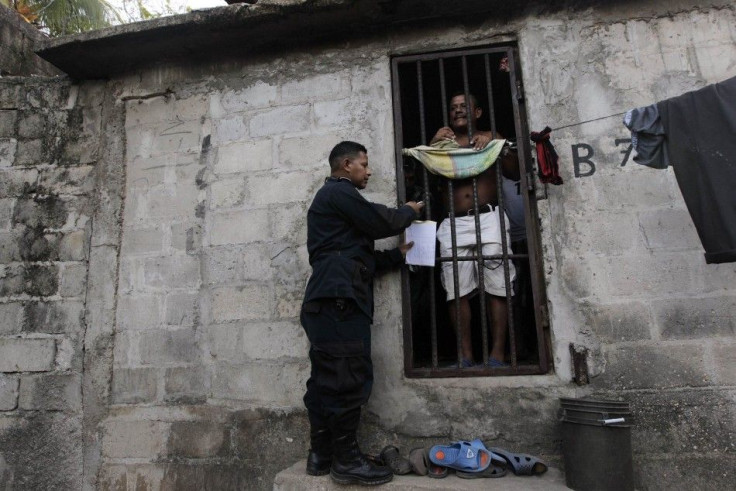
x: 521, y: 464
x: 420, y: 464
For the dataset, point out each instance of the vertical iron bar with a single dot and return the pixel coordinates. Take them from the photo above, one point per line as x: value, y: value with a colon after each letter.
x: 468, y: 102
x: 427, y: 216
x: 502, y: 217
x: 443, y: 92
x: 489, y: 86
x: 505, y: 260
x: 481, y: 273
x: 455, y: 281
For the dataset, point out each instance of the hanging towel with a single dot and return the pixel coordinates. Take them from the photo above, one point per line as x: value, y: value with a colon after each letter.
x: 547, y: 158
x: 447, y: 159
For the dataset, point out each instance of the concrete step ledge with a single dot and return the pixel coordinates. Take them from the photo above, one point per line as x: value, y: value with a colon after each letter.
x: 295, y: 479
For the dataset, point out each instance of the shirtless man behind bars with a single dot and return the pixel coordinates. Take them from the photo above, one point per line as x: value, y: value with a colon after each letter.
x: 461, y: 118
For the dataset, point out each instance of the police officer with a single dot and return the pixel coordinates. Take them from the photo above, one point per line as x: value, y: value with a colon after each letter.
x: 338, y: 310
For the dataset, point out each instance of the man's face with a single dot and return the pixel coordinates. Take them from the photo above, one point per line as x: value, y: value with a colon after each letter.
x: 459, y: 113
x: 358, y: 170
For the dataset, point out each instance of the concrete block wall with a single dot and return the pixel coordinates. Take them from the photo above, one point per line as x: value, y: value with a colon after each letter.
x: 48, y: 137
x: 627, y: 280
x: 213, y: 263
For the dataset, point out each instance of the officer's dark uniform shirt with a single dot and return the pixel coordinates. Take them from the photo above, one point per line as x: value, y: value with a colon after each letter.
x: 341, y: 228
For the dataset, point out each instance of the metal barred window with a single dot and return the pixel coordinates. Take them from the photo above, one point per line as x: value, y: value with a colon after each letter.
x: 450, y: 337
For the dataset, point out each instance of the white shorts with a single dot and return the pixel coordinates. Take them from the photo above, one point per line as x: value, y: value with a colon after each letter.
x: 493, y: 272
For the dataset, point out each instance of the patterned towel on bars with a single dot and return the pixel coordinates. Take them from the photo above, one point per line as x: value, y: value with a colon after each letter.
x: 447, y: 159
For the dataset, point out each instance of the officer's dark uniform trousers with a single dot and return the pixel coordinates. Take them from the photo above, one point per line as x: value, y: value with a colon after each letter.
x: 338, y: 303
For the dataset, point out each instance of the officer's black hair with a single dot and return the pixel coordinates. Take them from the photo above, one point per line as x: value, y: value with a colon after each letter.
x: 344, y: 149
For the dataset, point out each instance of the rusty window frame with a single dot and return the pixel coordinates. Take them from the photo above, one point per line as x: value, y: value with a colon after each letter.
x: 420, y: 61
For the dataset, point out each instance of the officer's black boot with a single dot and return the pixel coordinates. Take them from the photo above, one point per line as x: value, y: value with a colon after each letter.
x: 320, y: 453
x: 349, y: 465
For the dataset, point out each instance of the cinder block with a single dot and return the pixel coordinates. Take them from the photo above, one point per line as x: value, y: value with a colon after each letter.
x: 147, y: 477
x: 226, y: 193
x: 77, y: 180
x: 159, y: 346
x: 11, y: 318
x: 323, y: 86
x: 73, y: 280
x: 284, y: 187
x: 146, y: 172
x: 27, y: 355
x: 31, y: 125
x: 654, y: 367
x: 226, y: 343
x: 8, y: 149
x: 289, y: 299
x: 239, y: 227
x: 251, y: 301
x: 134, y: 439
x: 50, y: 212
x: 142, y: 240
x: 260, y: 94
x: 668, y: 229
x: 54, y: 317
x: 182, y: 309
x: 256, y: 261
x: 12, y: 280
x: 229, y: 129
x: 10, y: 250
x: 139, y: 312
x: 134, y: 385
x: 664, y: 273
x: 343, y: 113
x: 186, y: 237
x: 7, y: 123
x: 696, y: 318
x: 113, y: 478
x: 31, y: 152
x: 724, y: 360
x: 191, y: 108
x: 176, y: 137
x: 187, y: 385
x: 181, y: 203
x: 609, y: 233
x: 244, y: 156
x: 280, y: 384
x: 307, y: 152
x: 222, y: 265
x: 74, y: 246
x: 198, y: 439
x: 6, y: 212
x: 180, y: 271
x: 614, y: 323
x: 289, y: 119
x: 15, y: 182
x: 274, y: 340
x: 148, y: 111
x: 51, y: 392
x: 8, y: 393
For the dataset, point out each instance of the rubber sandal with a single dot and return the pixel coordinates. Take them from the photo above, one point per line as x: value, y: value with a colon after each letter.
x: 437, y: 471
x: 461, y: 456
x: 419, y: 460
x: 391, y: 457
x: 491, y: 472
x: 496, y: 459
x: 522, y: 464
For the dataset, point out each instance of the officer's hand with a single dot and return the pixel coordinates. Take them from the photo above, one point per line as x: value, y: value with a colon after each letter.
x: 405, y: 247
x: 444, y: 133
x: 416, y: 206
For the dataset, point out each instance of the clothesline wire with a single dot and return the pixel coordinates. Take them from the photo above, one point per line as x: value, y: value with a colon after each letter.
x: 589, y: 121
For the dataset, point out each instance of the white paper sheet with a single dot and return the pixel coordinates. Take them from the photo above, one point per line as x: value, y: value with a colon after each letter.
x: 424, y: 236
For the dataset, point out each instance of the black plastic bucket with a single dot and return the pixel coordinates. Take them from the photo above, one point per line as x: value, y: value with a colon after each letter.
x: 596, y: 444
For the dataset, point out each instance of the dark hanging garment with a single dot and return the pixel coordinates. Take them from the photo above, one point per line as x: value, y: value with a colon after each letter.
x: 647, y: 136
x: 700, y: 141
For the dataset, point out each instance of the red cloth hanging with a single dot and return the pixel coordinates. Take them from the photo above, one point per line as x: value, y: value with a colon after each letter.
x: 547, y: 158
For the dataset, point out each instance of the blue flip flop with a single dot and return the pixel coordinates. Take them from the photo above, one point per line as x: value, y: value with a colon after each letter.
x: 461, y: 456
x: 496, y: 459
